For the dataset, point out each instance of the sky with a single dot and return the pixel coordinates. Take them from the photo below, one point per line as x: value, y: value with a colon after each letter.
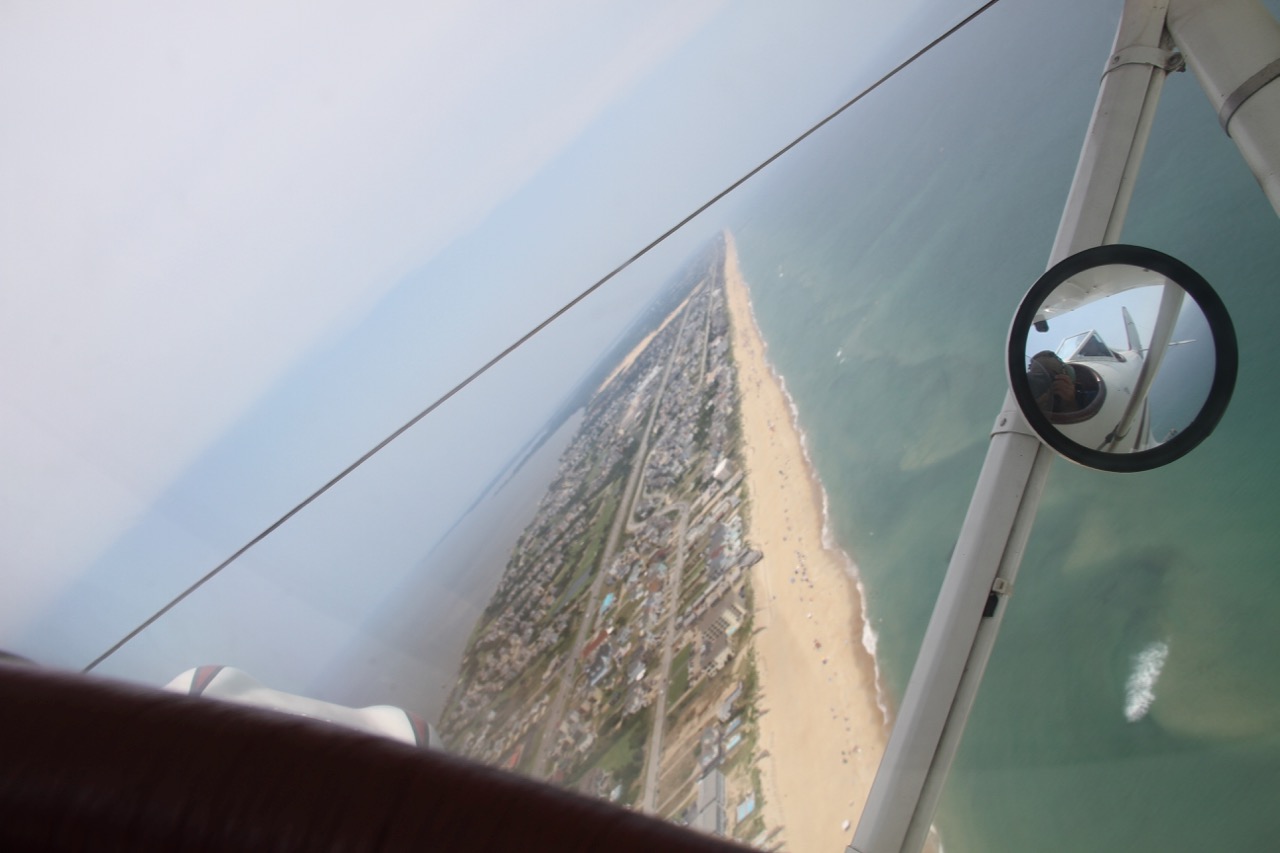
x: 241, y: 244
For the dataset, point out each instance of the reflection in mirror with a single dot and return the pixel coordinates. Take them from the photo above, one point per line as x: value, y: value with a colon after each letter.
x: 1125, y: 372
x: 1122, y: 358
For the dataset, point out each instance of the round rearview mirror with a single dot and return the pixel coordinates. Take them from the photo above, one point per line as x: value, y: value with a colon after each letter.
x: 1122, y: 358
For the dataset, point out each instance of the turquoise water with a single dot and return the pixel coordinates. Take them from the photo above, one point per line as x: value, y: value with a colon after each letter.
x: 1133, y: 701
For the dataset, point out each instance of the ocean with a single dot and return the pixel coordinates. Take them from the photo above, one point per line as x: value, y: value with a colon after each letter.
x: 1133, y: 699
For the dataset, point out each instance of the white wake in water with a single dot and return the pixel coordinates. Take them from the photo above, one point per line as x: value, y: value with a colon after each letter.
x: 1140, y: 689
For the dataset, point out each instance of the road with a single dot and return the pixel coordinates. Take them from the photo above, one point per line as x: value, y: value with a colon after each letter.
x: 570, y: 671
x: 653, y: 754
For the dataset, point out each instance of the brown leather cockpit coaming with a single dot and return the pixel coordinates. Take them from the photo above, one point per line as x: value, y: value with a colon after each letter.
x: 90, y: 764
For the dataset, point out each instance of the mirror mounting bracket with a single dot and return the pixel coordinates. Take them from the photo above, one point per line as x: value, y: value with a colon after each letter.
x: 1010, y: 420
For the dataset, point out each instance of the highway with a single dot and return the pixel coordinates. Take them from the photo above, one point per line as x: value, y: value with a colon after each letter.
x: 653, y: 753
x: 570, y: 671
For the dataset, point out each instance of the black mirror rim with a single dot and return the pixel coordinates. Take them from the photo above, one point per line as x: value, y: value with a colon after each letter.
x: 1226, y: 357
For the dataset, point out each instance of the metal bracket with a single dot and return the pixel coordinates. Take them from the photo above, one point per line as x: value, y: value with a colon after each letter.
x: 1001, y: 586
x: 1011, y: 420
x: 1157, y: 57
x: 1245, y: 91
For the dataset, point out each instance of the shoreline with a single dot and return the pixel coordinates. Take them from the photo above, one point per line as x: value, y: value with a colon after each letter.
x: 868, y: 636
x: 822, y: 715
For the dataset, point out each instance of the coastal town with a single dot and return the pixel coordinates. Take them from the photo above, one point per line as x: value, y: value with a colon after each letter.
x: 673, y: 631
x: 614, y: 657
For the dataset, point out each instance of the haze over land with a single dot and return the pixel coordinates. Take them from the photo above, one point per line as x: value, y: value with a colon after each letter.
x: 245, y: 243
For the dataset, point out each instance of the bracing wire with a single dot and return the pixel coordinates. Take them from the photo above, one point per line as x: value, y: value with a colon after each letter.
x: 523, y: 339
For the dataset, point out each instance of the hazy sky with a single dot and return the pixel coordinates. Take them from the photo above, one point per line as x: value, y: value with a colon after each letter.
x: 240, y: 244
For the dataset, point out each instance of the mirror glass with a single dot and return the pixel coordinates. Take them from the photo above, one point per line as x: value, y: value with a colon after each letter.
x: 1113, y: 358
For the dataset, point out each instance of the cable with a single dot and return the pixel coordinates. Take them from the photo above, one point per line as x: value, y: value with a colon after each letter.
x: 534, y: 331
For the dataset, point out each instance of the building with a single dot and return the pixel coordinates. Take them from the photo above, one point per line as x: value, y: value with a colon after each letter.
x: 709, y: 814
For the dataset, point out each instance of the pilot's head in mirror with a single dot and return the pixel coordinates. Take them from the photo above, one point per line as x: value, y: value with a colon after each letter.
x: 1053, y: 383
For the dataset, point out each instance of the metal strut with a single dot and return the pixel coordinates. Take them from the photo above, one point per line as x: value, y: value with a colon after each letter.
x: 980, y: 577
x: 1244, y: 92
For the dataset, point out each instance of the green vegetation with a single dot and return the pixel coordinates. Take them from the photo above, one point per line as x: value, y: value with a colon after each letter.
x: 625, y: 747
x: 627, y: 611
x: 750, y: 681
x: 703, y: 427
x: 695, y: 583
x: 565, y: 640
x: 621, y: 754
x: 531, y: 745
x: 754, y: 824
x: 583, y: 563
x: 622, y: 467
x: 751, y: 827
x: 679, y: 674
x: 748, y: 621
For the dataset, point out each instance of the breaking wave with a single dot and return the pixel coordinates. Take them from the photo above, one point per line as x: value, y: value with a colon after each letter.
x: 870, y: 639
x: 1140, y: 688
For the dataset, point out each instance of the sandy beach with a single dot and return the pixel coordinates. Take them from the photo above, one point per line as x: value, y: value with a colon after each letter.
x: 821, y: 731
